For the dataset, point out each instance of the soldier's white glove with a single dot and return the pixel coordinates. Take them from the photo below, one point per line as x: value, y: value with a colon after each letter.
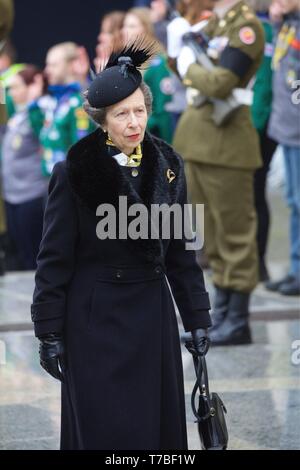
x: 185, y: 59
x: 175, y: 30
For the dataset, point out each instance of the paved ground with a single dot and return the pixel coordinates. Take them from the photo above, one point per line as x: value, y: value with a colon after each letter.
x: 259, y: 383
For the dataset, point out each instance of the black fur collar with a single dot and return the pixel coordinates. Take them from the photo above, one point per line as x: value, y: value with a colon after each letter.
x: 96, y: 178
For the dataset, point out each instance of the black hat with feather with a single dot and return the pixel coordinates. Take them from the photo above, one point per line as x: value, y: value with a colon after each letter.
x: 121, y: 75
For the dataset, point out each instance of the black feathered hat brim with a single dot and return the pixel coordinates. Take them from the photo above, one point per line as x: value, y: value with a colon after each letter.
x: 110, y: 87
x: 121, y: 75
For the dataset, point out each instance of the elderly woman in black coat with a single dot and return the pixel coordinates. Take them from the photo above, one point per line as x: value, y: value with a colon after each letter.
x: 102, y: 305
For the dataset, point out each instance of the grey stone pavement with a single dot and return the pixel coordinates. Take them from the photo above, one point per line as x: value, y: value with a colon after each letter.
x: 259, y: 383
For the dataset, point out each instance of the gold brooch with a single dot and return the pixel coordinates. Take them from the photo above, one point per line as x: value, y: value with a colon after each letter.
x: 170, y: 175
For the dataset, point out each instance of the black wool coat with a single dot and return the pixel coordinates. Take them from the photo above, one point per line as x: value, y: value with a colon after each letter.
x: 111, y: 301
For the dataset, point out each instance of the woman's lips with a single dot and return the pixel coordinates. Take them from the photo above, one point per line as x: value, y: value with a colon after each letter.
x: 134, y: 137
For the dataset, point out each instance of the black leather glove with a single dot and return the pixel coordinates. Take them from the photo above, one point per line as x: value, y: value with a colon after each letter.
x: 52, y: 355
x: 201, y: 340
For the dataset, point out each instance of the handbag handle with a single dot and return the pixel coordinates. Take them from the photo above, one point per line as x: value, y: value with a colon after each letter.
x: 201, y: 382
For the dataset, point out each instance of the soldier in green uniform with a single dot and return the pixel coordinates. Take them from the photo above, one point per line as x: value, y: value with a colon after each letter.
x: 6, y: 22
x: 58, y: 118
x: 221, y: 160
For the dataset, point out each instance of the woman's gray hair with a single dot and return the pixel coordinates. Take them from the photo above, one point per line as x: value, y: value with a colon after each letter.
x: 99, y: 114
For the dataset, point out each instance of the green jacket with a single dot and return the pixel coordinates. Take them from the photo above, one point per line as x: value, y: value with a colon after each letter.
x: 6, y: 22
x: 262, y: 99
x: 237, y: 41
x: 157, y: 77
x: 59, y: 121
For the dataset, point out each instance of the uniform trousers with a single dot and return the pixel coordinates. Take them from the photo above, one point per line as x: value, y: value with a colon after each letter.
x: 230, y: 222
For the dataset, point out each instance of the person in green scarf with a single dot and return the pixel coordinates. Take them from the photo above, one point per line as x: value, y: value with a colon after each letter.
x: 58, y: 118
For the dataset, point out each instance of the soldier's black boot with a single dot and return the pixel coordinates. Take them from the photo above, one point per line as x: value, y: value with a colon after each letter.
x: 235, y: 328
x: 221, y: 305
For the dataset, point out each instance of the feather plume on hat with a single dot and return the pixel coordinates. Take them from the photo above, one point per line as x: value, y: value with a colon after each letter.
x: 140, y: 52
x: 119, y: 75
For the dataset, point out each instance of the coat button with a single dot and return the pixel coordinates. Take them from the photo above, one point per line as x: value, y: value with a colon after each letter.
x: 158, y: 270
x: 119, y: 274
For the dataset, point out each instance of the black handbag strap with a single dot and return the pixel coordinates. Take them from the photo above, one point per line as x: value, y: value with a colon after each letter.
x: 201, y: 383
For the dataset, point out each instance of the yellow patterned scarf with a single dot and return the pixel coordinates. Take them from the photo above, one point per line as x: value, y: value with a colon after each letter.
x: 134, y: 159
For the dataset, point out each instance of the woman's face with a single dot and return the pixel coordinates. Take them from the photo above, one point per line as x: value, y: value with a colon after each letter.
x: 126, y: 122
x: 132, y: 27
x: 18, y: 90
x: 159, y: 10
x: 105, y: 37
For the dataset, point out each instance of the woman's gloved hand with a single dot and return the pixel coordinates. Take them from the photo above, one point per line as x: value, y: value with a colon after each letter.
x: 201, y: 340
x: 52, y: 355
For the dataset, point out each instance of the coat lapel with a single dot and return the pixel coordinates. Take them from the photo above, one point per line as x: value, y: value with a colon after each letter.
x: 97, y: 178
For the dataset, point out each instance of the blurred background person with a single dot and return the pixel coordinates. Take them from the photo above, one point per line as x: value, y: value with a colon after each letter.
x: 284, y: 126
x: 81, y: 67
x: 8, y: 68
x: 260, y: 111
x: 137, y: 22
x: 110, y: 35
x: 24, y: 187
x: 6, y: 23
x: 162, y: 12
x: 59, y: 115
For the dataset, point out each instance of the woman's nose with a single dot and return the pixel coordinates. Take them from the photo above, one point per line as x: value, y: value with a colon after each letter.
x: 133, y: 122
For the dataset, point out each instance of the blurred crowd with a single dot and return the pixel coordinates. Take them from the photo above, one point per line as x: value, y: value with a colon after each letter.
x: 45, y: 115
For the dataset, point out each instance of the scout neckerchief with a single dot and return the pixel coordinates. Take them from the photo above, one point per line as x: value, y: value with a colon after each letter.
x: 133, y: 160
x: 285, y: 38
x: 62, y: 94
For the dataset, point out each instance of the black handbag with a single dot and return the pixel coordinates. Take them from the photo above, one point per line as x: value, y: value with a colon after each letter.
x: 210, y: 414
